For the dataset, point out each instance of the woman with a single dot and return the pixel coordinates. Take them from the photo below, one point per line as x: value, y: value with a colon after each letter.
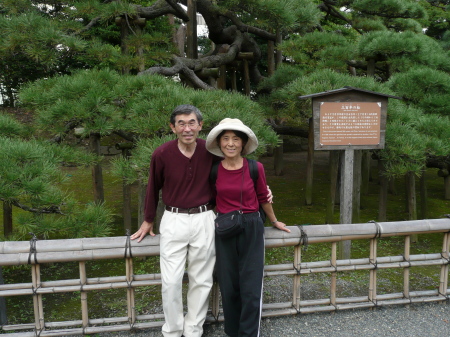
x: 240, y: 259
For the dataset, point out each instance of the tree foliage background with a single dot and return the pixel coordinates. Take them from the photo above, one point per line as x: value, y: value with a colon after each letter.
x: 95, y: 65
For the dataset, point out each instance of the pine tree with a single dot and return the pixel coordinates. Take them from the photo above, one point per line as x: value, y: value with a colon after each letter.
x: 30, y: 181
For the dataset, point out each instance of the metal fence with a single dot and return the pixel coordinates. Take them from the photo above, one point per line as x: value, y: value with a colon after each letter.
x: 37, y: 252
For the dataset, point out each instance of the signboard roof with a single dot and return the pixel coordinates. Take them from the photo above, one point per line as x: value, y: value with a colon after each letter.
x: 346, y: 88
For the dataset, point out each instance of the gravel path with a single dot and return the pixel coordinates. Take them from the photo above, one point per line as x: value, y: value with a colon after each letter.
x: 428, y: 319
x: 416, y: 320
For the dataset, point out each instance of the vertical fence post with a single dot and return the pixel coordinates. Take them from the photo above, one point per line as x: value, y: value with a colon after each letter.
x: 37, y: 298
x: 373, y: 272
x: 3, y: 315
x: 333, y: 274
x: 406, y: 270
x: 130, y: 291
x: 296, y: 290
x: 83, y: 295
x: 444, y: 268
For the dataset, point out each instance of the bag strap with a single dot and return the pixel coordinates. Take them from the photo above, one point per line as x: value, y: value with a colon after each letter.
x: 254, y: 173
x: 213, y: 172
x: 252, y: 165
x: 242, y: 187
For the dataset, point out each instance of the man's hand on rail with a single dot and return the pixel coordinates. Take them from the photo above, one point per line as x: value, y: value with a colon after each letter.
x: 146, y: 228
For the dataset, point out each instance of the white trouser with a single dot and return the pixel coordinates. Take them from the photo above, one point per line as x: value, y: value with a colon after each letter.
x: 191, y: 237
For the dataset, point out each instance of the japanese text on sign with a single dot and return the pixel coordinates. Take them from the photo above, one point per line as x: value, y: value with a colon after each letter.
x: 350, y: 123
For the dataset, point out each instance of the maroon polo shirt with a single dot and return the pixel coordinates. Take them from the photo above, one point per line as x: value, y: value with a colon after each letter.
x: 184, y: 181
x: 229, y: 184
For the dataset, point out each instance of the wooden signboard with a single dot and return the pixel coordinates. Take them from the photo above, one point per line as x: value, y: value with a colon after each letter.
x: 349, y: 123
x: 348, y: 119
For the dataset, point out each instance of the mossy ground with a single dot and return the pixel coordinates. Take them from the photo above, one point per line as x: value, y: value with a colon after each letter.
x: 289, y: 205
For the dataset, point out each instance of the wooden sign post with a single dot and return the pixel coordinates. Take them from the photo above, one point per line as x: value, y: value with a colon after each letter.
x: 348, y: 119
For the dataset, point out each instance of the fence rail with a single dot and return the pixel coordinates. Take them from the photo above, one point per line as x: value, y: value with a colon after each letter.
x: 38, y: 252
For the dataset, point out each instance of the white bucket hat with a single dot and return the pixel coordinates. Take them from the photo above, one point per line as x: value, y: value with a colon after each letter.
x: 232, y: 124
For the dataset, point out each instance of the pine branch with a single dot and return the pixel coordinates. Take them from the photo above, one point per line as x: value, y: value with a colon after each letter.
x: 244, y: 28
x: 181, y: 13
x: 88, y: 26
x: 188, y: 67
x: 125, y: 135
x: 162, y: 7
x: 54, y: 209
x: 181, y: 66
x: 327, y: 6
x: 69, y: 126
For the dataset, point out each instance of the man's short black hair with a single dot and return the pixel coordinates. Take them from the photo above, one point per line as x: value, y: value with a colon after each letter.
x: 185, y: 109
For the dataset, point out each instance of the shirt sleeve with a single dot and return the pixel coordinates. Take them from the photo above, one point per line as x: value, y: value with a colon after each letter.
x: 261, y: 185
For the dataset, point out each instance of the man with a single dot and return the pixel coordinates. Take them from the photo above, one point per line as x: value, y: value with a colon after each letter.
x: 181, y: 169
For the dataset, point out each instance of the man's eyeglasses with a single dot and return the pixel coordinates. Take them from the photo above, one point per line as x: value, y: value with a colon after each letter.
x: 191, y: 124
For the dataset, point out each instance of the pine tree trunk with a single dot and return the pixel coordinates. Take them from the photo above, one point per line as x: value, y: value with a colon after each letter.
x: 97, y: 173
x: 365, y: 172
x: 11, y: 101
x: 371, y: 67
x: 222, y: 80
x: 411, y: 199
x: 140, y: 49
x: 123, y: 42
x: 7, y: 219
x: 278, y: 161
x: 270, y: 58
x: 391, y: 186
x: 246, y: 77
x: 447, y: 187
x: 191, y: 51
x: 142, y: 189
x: 423, y: 196
x: 180, y: 38
x: 126, y: 189
x: 445, y: 173
x: 278, y: 54
x: 233, y: 80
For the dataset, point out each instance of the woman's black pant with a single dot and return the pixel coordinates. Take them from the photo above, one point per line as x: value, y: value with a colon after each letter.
x: 240, y: 267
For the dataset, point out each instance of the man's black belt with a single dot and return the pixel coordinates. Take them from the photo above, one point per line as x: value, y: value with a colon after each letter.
x: 192, y: 210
